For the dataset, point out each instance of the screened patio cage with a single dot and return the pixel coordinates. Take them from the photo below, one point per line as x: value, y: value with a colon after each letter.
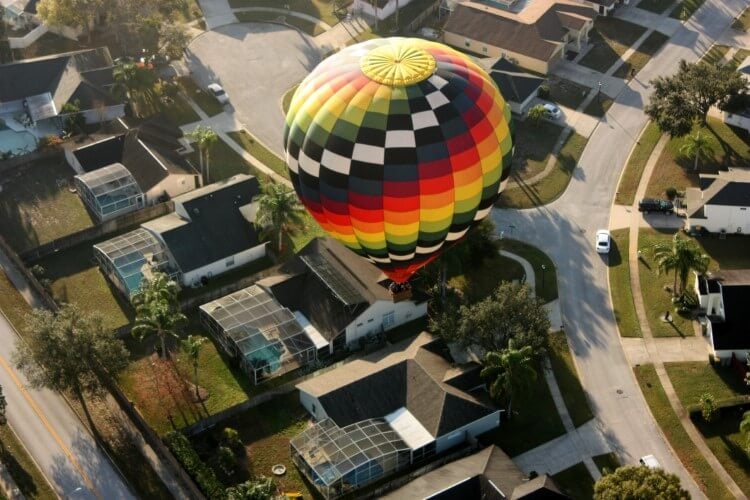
x: 110, y: 191
x: 339, y: 460
x: 128, y: 258
x: 260, y: 333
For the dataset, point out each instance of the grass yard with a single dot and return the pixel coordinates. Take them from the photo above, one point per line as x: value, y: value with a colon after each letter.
x: 265, y: 432
x: 287, y: 99
x: 728, y: 445
x: 310, y: 28
x: 535, y: 421
x: 36, y: 206
x: 641, y: 56
x: 611, y: 38
x: 567, y: 378
x: 598, y: 106
x: 76, y: 279
x: 12, y: 303
x: 715, y: 54
x: 478, y: 282
x: 738, y: 57
x: 22, y: 468
x: 685, y: 9
x: 639, y: 156
x: 565, y: 92
x: 301, y: 236
x: 655, y: 6
x: 670, y: 425
x: 48, y: 44
x: 259, y: 151
x: 224, y: 162
x: 742, y: 23
x: 202, y: 98
x: 534, y: 144
x: 179, y: 112
x: 619, y: 285
x: 606, y: 463
x: 322, y: 9
x: 576, y: 482
x: 551, y: 186
x: 691, y: 379
x: 547, y: 291
x: 731, y: 148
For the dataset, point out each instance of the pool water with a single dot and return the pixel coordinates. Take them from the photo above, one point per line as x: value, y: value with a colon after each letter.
x: 16, y: 142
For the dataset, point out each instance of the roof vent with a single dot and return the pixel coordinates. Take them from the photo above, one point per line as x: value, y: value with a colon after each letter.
x: 196, y: 211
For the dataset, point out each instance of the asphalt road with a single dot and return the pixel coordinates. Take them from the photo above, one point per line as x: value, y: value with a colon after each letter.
x: 256, y: 63
x: 565, y: 230
x: 59, y: 443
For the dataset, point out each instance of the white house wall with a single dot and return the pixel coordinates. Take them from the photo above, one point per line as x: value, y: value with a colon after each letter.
x: 222, y: 266
x: 312, y: 405
x: 475, y: 428
x: 726, y: 218
x: 73, y: 161
x: 371, y: 320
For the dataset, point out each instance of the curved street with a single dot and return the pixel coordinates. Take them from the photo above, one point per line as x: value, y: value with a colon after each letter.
x: 565, y: 230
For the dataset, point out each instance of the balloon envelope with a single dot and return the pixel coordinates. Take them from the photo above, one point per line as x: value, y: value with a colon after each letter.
x: 397, y: 147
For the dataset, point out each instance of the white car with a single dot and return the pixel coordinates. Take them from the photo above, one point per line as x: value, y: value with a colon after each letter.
x: 603, y: 241
x: 218, y: 92
x: 552, y: 111
x: 650, y: 461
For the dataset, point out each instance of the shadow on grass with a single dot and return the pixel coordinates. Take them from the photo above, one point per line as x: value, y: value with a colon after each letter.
x: 23, y: 479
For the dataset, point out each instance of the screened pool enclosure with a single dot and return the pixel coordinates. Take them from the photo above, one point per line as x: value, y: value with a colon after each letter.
x: 110, y: 191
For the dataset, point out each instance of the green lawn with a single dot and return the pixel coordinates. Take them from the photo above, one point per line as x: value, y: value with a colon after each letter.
x: 619, y: 285
x: 259, y: 151
x: 692, y: 379
x: 656, y: 6
x: 535, y: 421
x: 611, y: 38
x: 551, y: 186
x: 545, y: 280
x: 685, y: 9
x: 22, y: 467
x: 567, y: 378
x: 478, y: 282
x: 76, y: 279
x: 598, y: 106
x: 179, y: 112
x: 224, y: 162
x: 566, y: 93
x: 310, y: 28
x: 12, y: 303
x: 670, y: 425
x: 715, y: 54
x: 301, y: 236
x: 36, y: 206
x: 202, y: 97
x: 631, y: 177
x: 731, y: 148
x: 642, y: 55
x: 533, y: 145
x: 287, y: 99
x: 728, y: 445
x: 265, y: 432
x: 738, y: 57
x: 576, y: 482
x: 606, y: 463
x: 742, y: 22
x: 322, y: 9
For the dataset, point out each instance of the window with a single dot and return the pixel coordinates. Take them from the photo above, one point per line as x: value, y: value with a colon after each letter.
x: 230, y: 262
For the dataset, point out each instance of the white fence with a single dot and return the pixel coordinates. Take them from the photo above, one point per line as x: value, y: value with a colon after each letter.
x: 29, y: 38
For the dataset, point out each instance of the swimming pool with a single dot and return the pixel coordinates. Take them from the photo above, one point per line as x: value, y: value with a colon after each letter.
x: 16, y: 142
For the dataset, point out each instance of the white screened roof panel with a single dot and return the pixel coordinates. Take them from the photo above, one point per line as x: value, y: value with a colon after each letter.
x: 311, y: 331
x: 409, y: 428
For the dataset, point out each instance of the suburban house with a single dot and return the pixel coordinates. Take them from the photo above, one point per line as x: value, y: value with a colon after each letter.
x: 724, y: 296
x: 340, y: 296
x: 517, y: 87
x: 210, y: 232
x: 488, y: 474
x: 739, y: 117
x: 34, y: 91
x: 534, y: 38
x: 132, y: 169
x: 19, y: 13
x: 379, y: 414
x: 721, y: 203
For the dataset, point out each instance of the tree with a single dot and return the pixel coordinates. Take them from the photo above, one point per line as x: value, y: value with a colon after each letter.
x: 279, y: 210
x: 73, y: 119
x: 72, y: 13
x: 173, y: 40
x: 745, y: 429
x: 680, y: 99
x: 696, y: 147
x: 681, y: 256
x: 157, y: 309
x: 508, y: 372
x: 132, y: 82
x: 708, y: 406
x: 192, y: 347
x: 227, y: 460
x: 3, y: 407
x: 69, y: 351
x: 511, y: 312
x: 633, y: 482
x: 536, y: 114
x: 261, y: 488
x: 203, y: 137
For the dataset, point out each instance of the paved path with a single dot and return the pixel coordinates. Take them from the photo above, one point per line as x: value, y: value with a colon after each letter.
x: 652, y: 21
x: 669, y: 349
x: 735, y: 38
x: 587, y: 77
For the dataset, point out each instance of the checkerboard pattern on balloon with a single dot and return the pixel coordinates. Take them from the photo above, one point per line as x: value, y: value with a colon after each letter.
x: 397, y: 171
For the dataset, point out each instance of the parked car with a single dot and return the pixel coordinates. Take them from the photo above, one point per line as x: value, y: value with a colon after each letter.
x: 552, y: 111
x: 647, y: 205
x: 218, y: 92
x: 603, y: 241
x: 650, y: 461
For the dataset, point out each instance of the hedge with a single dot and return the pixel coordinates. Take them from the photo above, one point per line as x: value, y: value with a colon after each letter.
x: 203, y: 474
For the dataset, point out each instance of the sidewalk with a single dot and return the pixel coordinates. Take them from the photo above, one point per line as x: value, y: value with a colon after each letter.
x: 654, y: 22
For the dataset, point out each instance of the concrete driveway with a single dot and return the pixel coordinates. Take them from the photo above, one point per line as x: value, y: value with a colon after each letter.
x: 256, y: 63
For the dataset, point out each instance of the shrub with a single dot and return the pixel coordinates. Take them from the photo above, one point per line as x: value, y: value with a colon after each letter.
x: 50, y: 141
x: 227, y: 460
x: 671, y: 193
x: 204, y: 476
x: 708, y: 406
x: 231, y: 438
x: 543, y: 92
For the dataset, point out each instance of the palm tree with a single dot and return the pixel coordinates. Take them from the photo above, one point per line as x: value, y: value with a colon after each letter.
x: 745, y: 429
x: 509, y: 371
x: 204, y: 138
x: 535, y: 114
x: 696, y: 147
x: 131, y: 81
x: 279, y: 210
x: 157, y: 309
x: 192, y: 347
x: 681, y: 256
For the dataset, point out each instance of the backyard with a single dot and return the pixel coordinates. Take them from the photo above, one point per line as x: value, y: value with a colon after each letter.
x: 533, y: 145
x: 731, y: 148
x: 37, y: 206
x: 619, y: 285
x: 611, y: 38
x: 639, y: 156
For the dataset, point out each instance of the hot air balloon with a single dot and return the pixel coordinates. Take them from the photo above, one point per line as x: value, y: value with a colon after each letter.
x: 397, y: 147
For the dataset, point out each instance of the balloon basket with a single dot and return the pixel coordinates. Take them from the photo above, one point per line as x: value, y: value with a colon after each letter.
x: 400, y: 291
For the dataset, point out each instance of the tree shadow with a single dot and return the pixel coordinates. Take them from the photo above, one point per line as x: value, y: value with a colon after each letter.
x: 23, y: 479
